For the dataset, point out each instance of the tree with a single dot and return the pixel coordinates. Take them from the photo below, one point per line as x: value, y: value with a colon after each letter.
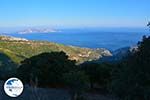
x: 132, y: 81
x: 46, y: 68
x: 77, y: 82
x: 98, y: 73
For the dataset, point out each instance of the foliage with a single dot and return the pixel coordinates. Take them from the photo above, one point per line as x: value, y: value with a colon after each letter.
x: 27, y: 49
x: 98, y: 73
x: 13, y: 56
x: 77, y: 81
x: 132, y: 80
x: 46, y: 68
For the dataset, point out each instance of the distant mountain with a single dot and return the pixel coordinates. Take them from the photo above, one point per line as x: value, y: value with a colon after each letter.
x: 33, y: 30
x: 118, y: 55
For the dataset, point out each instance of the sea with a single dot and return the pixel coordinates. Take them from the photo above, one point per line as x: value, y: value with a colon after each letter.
x: 89, y: 39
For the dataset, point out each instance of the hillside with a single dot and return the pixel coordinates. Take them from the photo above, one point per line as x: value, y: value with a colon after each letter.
x: 18, y: 49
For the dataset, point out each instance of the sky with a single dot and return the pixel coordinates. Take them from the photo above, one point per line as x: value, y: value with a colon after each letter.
x: 74, y: 13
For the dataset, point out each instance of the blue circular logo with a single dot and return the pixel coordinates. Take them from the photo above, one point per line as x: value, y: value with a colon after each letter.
x: 13, y: 87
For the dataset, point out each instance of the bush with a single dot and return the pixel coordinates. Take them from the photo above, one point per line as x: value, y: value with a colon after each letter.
x: 98, y: 73
x: 77, y: 82
x: 46, y: 68
x: 132, y: 80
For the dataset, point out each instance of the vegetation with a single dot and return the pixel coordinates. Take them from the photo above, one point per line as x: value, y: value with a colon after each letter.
x: 18, y: 50
x: 47, y: 64
x: 27, y: 49
x: 46, y: 68
x: 53, y: 69
x: 12, y: 55
x: 77, y: 81
x: 7, y: 68
x: 98, y: 74
x: 131, y: 81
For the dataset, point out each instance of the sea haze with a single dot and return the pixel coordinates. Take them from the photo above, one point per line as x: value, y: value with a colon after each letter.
x: 90, y: 39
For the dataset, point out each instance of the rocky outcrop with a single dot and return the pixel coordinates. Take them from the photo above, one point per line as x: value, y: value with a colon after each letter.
x: 104, y: 52
x: 119, y: 54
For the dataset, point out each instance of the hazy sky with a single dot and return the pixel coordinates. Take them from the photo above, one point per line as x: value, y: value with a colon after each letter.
x: 74, y: 13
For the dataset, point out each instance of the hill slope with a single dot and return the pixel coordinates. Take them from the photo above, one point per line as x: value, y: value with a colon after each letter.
x: 18, y: 49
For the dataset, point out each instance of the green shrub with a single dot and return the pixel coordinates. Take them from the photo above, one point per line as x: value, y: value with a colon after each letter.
x: 46, y: 68
x: 132, y: 80
x: 77, y: 81
x: 98, y: 73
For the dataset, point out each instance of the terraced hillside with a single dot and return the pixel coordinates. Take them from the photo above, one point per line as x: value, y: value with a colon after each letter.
x: 19, y: 49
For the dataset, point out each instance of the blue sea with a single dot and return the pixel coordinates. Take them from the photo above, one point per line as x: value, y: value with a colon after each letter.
x: 91, y: 39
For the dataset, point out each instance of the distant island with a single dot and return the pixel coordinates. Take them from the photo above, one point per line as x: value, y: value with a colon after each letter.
x: 35, y: 30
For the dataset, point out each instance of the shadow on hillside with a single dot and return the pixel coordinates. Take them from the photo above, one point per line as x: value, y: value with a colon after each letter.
x: 7, y: 67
